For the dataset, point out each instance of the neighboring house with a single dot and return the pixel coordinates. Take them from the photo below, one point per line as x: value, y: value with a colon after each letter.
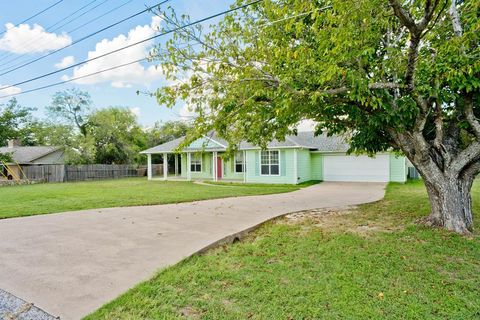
x: 27, y: 156
x: 299, y: 158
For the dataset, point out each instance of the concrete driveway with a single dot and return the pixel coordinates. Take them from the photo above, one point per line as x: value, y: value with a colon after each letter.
x: 71, y: 263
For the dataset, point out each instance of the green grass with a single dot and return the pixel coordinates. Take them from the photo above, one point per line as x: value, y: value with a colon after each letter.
x: 232, y: 183
x: 36, y: 199
x: 369, y: 263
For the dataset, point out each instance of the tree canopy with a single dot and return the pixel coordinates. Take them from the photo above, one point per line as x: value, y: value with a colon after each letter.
x: 386, y: 74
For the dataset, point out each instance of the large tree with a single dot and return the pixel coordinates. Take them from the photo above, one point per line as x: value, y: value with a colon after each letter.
x: 116, y: 136
x: 397, y: 75
x: 73, y: 106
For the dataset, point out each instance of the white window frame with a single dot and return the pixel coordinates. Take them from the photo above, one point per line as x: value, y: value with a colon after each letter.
x: 269, y: 163
x: 192, y: 160
x: 235, y: 162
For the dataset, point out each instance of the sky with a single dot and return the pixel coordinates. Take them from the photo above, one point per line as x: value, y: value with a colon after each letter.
x: 52, y: 30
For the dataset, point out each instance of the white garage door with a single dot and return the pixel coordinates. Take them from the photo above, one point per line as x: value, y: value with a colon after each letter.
x: 356, y: 168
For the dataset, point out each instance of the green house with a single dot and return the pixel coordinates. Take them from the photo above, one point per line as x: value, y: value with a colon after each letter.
x: 299, y: 158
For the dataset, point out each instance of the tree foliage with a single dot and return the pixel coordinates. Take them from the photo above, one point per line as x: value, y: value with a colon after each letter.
x: 73, y: 107
x: 13, y: 121
x: 116, y: 136
x: 387, y: 74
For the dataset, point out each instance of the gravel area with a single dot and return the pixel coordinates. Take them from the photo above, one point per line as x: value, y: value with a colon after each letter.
x: 14, y: 308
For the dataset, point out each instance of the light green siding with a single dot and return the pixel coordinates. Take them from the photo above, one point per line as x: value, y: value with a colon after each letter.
x: 229, y: 170
x: 287, y: 174
x: 317, y: 166
x: 398, y: 168
x: 206, y: 167
x: 304, y: 165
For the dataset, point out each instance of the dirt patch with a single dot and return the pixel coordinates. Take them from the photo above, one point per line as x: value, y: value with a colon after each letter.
x: 343, y: 219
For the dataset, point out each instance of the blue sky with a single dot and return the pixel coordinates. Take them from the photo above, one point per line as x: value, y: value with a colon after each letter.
x: 117, y: 88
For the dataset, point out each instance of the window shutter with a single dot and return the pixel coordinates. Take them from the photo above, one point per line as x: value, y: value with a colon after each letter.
x: 257, y: 162
x: 283, y: 163
x: 232, y: 164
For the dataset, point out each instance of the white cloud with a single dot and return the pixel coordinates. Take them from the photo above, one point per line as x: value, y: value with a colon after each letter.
x: 120, y: 84
x: 136, y: 111
x: 9, y: 91
x: 31, y: 39
x: 66, y: 62
x: 306, y: 125
x: 122, y: 77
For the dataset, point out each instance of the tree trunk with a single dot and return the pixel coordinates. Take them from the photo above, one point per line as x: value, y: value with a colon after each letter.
x: 451, y: 204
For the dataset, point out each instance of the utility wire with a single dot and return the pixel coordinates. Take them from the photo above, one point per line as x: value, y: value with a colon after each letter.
x: 49, y: 29
x: 73, y: 79
x: 98, y: 17
x: 83, y: 38
x: 78, y: 28
x: 35, y: 15
x: 136, y: 43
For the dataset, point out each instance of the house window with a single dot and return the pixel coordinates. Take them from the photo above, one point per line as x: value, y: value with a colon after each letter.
x: 269, y: 163
x: 239, y: 162
x: 196, y: 163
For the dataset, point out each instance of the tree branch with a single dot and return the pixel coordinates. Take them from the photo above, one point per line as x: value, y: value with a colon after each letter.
x: 470, y: 116
x: 454, y: 17
x: 372, y: 86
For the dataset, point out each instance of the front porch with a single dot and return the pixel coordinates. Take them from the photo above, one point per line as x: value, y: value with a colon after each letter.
x: 188, y: 166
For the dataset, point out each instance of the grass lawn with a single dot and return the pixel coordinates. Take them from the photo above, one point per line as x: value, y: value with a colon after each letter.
x: 372, y: 262
x: 58, y: 197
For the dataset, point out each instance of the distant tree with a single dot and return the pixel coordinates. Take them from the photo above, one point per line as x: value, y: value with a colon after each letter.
x: 73, y: 106
x: 116, y: 136
x: 14, y: 120
x: 166, y: 131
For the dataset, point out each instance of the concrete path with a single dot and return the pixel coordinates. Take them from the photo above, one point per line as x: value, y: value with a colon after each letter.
x: 69, y: 264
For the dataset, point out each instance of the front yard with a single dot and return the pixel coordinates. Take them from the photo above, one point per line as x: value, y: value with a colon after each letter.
x: 36, y: 199
x: 370, y: 262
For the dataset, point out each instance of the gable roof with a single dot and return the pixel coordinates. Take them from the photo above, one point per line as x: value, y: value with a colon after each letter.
x: 25, y: 155
x: 302, y: 140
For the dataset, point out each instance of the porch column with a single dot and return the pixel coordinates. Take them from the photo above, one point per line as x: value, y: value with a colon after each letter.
x: 176, y: 164
x: 189, y: 174
x: 149, y: 166
x: 215, y: 169
x: 165, y: 166
x: 244, y: 166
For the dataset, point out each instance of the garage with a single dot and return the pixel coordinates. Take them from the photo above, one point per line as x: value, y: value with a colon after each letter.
x: 341, y: 167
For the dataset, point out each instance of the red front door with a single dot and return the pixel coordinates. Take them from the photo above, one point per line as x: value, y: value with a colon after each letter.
x: 219, y: 168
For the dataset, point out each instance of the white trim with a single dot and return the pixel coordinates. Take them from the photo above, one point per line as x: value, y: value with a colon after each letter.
x: 245, y: 168
x: 295, y: 169
x: 189, y: 173
x: 211, y: 139
x: 235, y: 162
x: 149, y: 166
x: 201, y: 162
x: 269, y: 164
x: 312, y: 149
x: 214, y: 162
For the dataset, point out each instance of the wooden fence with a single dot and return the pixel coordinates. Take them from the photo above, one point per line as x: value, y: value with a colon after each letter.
x: 71, y: 173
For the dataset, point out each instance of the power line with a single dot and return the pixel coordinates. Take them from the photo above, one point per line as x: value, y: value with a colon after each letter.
x: 98, y: 17
x: 77, y: 28
x: 49, y: 29
x: 83, y: 38
x: 134, y: 44
x: 73, y: 79
x: 35, y: 15
x: 108, y: 53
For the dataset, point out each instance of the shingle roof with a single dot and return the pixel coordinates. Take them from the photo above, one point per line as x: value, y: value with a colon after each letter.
x: 301, y: 140
x: 25, y: 155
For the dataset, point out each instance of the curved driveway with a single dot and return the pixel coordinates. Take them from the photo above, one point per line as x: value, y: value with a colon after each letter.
x: 71, y: 263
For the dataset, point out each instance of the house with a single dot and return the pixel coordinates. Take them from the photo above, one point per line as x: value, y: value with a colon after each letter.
x: 28, y: 156
x: 299, y: 158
